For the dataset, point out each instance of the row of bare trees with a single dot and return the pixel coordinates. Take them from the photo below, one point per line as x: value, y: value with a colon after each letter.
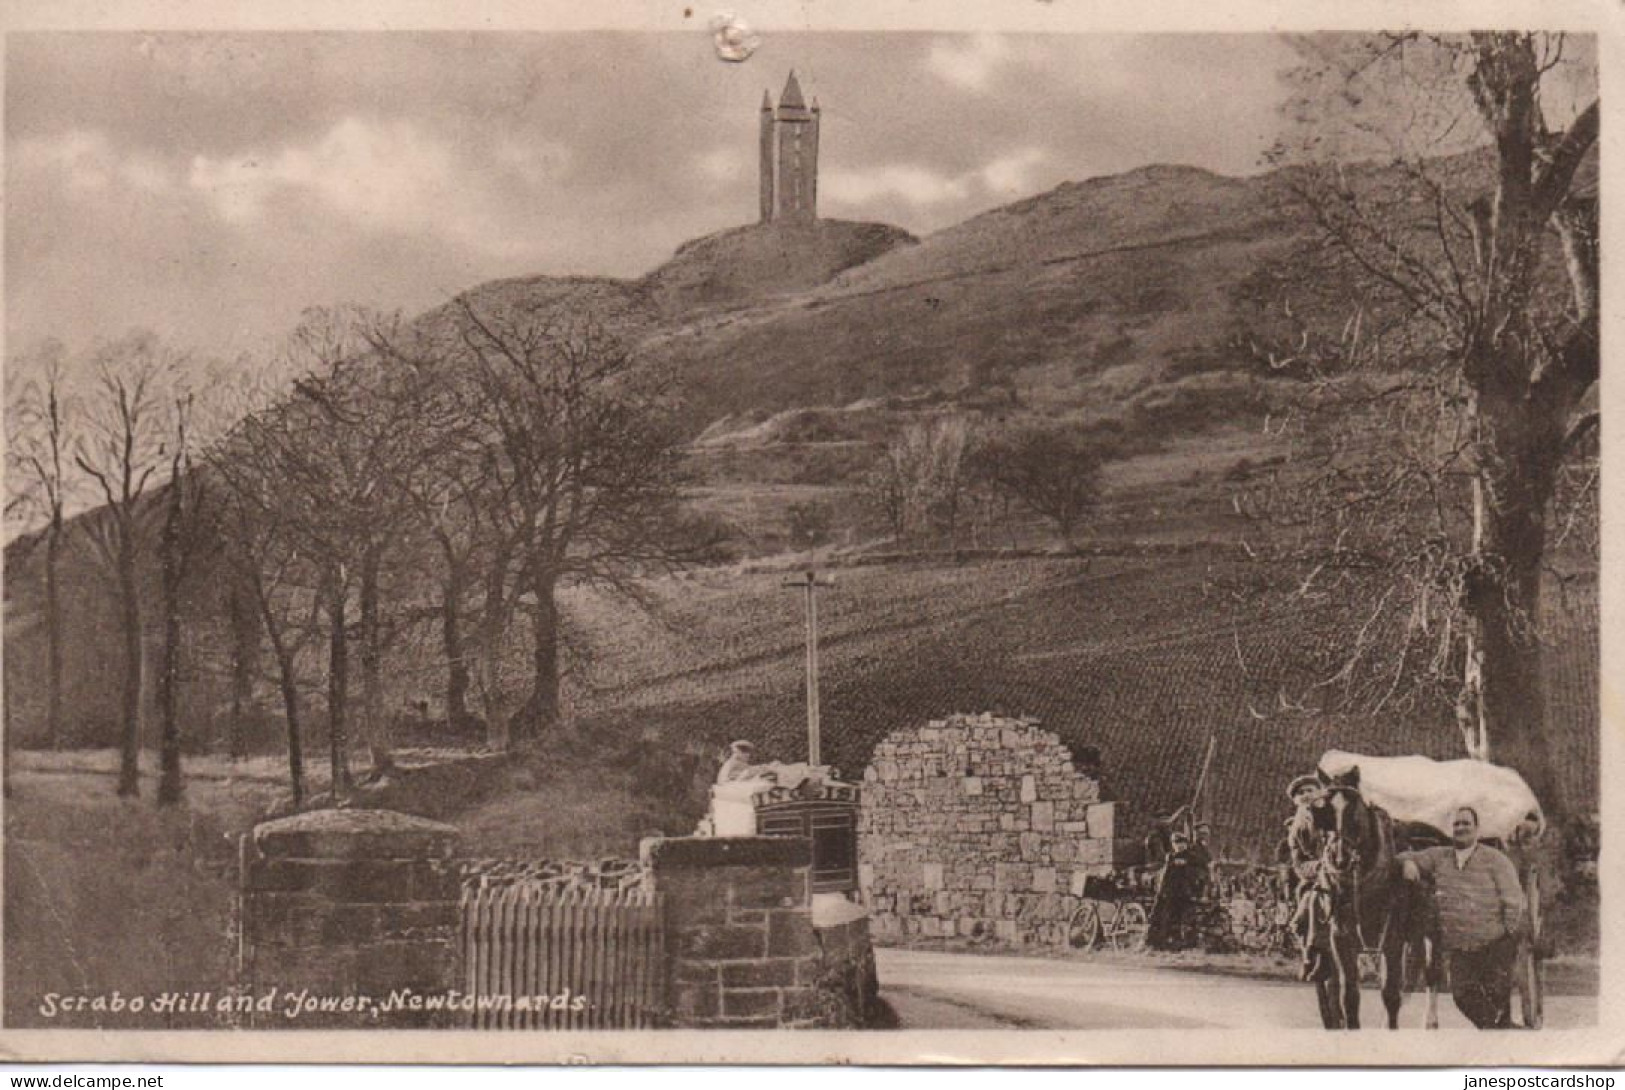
x: 937, y: 471
x: 457, y: 474
x: 111, y: 437
x: 454, y: 475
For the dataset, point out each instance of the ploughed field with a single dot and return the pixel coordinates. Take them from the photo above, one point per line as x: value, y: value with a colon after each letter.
x: 1141, y: 657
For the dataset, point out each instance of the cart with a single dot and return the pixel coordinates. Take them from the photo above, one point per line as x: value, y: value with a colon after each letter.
x: 1115, y: 909
x: 1528, y: 970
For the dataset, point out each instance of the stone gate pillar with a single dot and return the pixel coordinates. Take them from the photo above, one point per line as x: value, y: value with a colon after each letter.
x: 740, y: 945
x: 349, y: 918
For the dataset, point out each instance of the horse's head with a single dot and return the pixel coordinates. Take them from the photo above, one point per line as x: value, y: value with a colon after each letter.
x: 1343, y: 816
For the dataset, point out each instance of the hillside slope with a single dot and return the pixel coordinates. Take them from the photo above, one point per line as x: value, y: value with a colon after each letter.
x: 1140, y: 658
x: 1074, y: 301
x: 748, y: 264
x: 1077, y: 299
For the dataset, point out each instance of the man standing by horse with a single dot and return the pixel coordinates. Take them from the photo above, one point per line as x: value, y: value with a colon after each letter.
x: 1481, y: 908
x: 1303, y: 849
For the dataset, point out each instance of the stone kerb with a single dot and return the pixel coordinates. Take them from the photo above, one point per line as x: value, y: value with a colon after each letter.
x: 346, y: 908
x: 980, y: 826
x: 740, y: 944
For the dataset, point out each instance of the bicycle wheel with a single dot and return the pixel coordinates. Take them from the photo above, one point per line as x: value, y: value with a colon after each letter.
x: 1084, y: 930
x: 1133, y: 924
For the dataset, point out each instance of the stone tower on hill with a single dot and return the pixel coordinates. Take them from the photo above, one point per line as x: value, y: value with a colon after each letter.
x: 789, y: 156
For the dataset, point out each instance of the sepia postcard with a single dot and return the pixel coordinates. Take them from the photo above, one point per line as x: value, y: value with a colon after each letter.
x: 1022, y: 533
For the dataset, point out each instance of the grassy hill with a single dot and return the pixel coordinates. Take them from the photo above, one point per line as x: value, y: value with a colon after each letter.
x: 745, y: 265
x: 1069, y: 302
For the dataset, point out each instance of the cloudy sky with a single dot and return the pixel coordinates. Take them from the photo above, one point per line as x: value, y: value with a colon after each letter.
x: 210, y: 186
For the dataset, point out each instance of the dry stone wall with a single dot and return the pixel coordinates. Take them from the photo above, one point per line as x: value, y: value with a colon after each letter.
x: 979, y: 826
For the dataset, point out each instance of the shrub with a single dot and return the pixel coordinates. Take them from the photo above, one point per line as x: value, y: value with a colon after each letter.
x: 1051, y: 469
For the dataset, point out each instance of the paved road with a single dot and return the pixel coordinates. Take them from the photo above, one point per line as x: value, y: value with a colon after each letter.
x: 934, y: 990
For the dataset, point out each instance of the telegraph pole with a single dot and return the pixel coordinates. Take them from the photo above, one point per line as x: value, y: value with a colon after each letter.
x: 810, y: 585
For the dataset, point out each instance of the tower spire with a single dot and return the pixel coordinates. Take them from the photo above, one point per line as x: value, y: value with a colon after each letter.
x: 791, y: 99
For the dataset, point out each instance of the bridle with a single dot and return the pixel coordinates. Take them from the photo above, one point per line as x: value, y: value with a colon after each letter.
x: 1339, y: 853
x: 1342, y: 860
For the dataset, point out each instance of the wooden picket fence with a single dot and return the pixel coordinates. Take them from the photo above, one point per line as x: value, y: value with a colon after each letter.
x: 601, y: 950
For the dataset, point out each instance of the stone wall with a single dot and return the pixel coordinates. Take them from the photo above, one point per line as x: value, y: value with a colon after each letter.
x: 339, y: 910
x: 1256, y: 909
x: 978, y: 826
x: 347, y: 907
x: 740, y: 941
x: 847, y: 983
x: 554, y: 875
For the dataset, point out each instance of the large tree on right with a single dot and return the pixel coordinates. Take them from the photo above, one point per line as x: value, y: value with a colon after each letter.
x: 1451, y: 183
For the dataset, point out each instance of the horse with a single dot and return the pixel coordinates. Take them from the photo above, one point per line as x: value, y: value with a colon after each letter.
x: 1370, y: 906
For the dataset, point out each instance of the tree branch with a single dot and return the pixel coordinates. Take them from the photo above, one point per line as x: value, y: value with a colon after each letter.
x: 1553, y: 185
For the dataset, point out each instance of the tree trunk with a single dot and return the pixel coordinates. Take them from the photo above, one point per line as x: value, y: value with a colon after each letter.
x: 129, y: 777
x: 1525, y: 393
x: 53, y: 634
x: 6, y: 729
x: 451, y: 631
x: 170, y: 784
x: 289, y: 684
x: 338, y: 666
x: 375, y: 725
x: 290, y: 710
x: 245, y: 656
x: 1521, y: 451
x: 541, y: 712
x: 497, y: 728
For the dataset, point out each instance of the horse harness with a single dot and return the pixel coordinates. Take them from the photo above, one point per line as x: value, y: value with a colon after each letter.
x: 1350, y: 875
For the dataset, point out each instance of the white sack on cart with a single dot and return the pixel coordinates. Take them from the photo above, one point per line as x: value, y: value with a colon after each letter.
x: 1422, y: 789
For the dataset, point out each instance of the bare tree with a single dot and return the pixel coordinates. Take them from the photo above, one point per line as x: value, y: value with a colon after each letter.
x: 450, y: 494
x: 293, y: 474
x: 266, y: 564
x: 588, y: 461
x: 449, y: 490
x: 238, y: 390
x: 919, y: 483
x: 268, y: 552
x: 121, y: 447
x: 1462, y: 309
x: 181, y: 538
x: 40, y: 440
x: 1053, y: 470
x: 332, y: 475
x: 368, y: 422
